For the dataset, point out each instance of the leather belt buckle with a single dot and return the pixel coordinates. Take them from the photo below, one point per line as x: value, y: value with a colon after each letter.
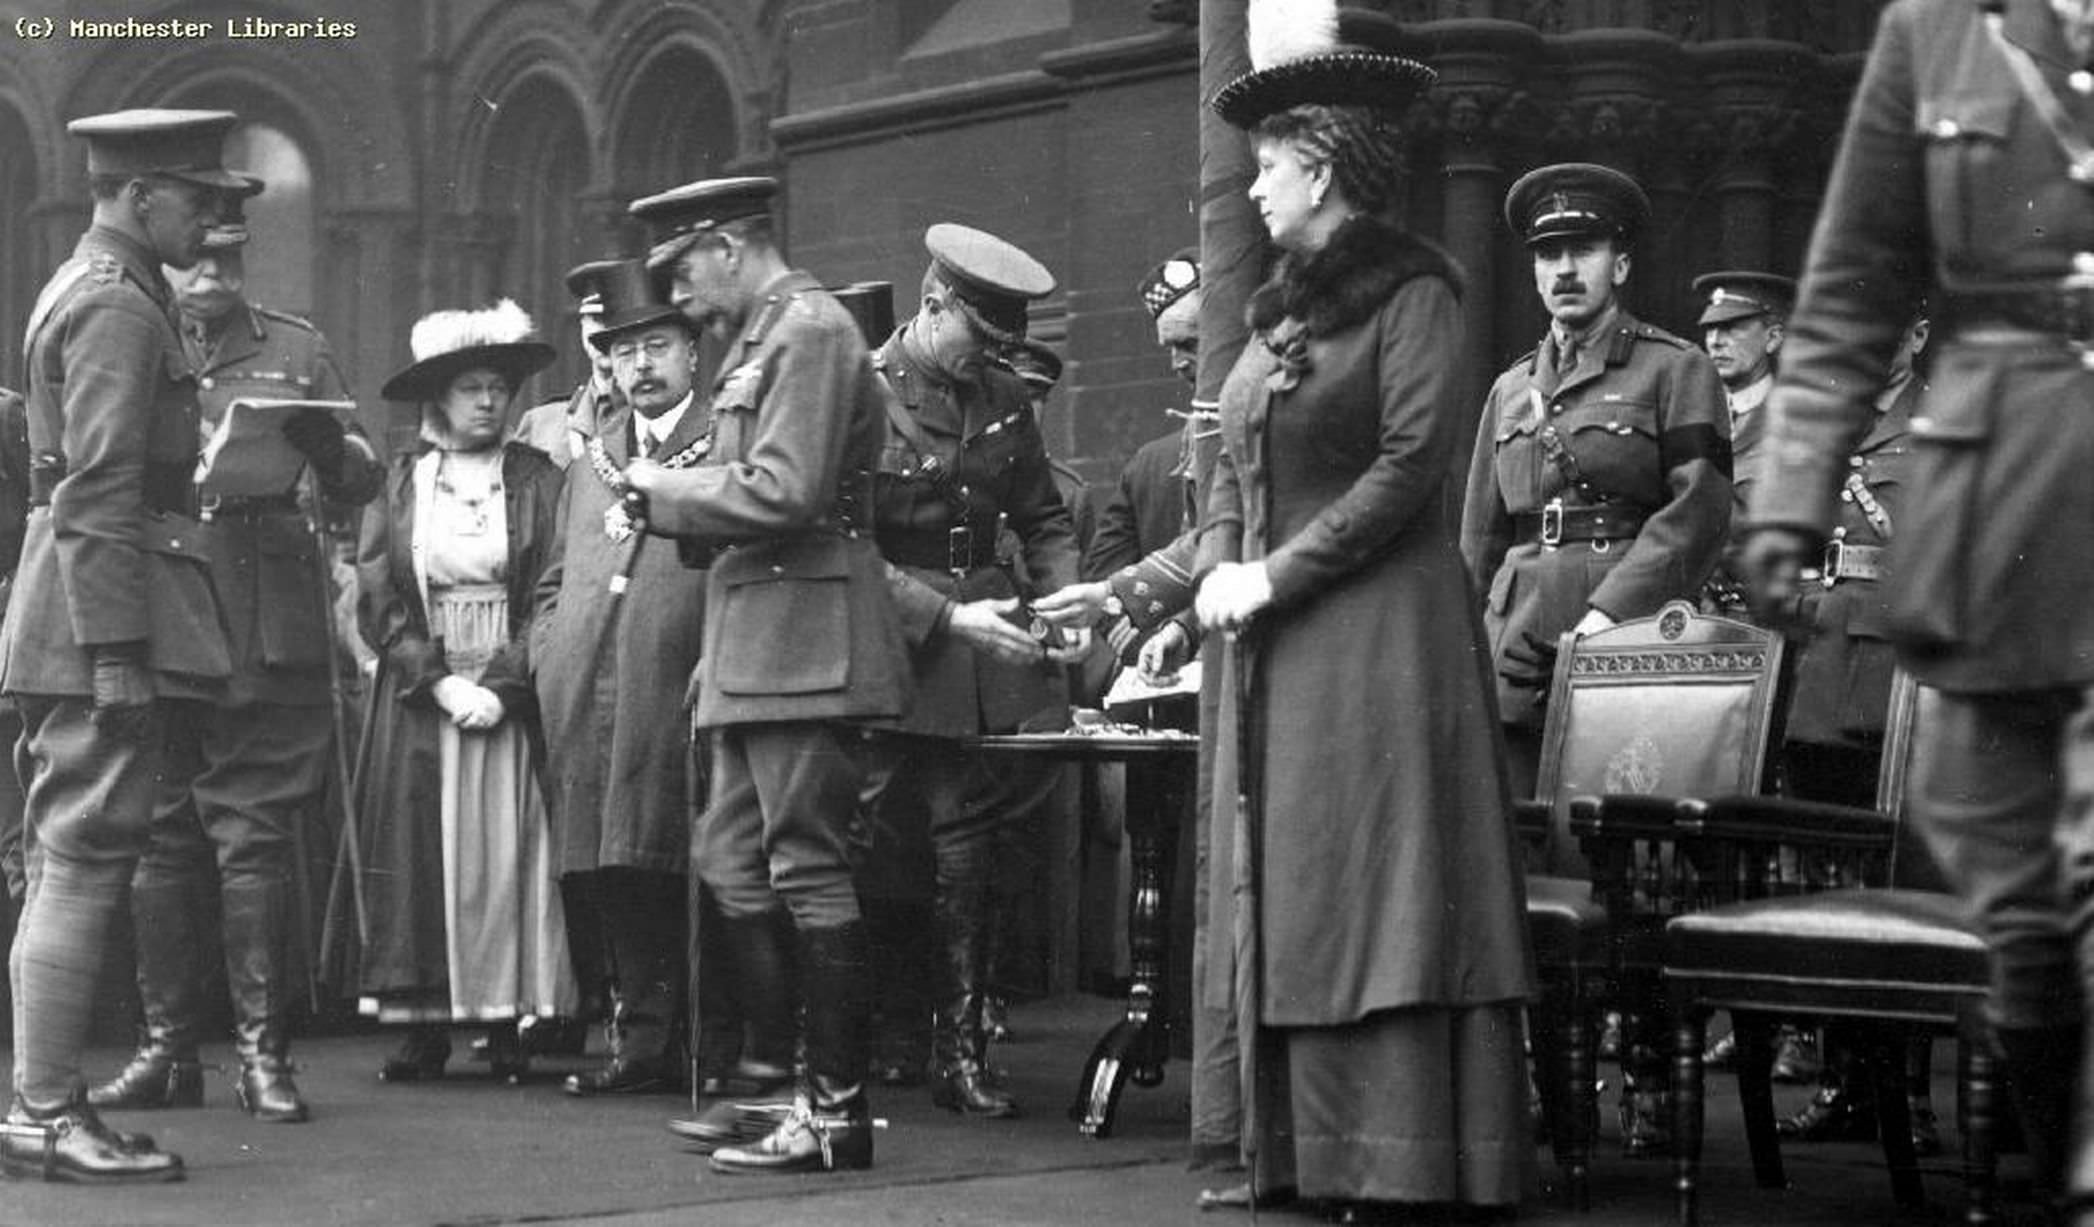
x: 207, y: 508
x: 1835, y: 561
x: 1552, y: 523
x: 959, y: 550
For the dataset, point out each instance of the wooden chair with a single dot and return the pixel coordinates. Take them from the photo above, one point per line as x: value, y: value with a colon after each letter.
x: 1677, y: 704
x: 1828, y: 911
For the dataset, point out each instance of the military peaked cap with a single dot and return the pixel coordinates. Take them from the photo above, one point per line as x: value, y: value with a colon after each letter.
x: 1575, y: 198
x: 1039, y: 366
x: 676, y: 218
x: 231, y: 230
x: 158, y: 141
x: 1741, y: 294
x: 992, y: 279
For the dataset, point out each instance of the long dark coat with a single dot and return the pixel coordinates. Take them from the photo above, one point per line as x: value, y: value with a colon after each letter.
x: 610, y: 673
x: 1948, y: 184
x: 1388, y: 866
x: 398, y: 789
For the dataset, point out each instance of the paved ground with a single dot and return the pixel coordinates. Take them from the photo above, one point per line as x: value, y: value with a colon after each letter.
x: 465, y: 1151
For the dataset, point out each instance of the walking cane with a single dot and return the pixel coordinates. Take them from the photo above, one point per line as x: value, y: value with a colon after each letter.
x: 1246, y: 865
x: 349, y: 846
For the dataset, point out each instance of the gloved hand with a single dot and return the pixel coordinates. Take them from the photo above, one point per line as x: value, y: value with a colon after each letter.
x: 470, y: 705
x: 123, y: 691
x: 317, y: 434
x: 1529, y: 664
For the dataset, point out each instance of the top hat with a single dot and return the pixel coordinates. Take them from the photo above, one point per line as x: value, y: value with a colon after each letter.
x: 1314, y: 52
x: 631, y: 300
x: 448, y: 343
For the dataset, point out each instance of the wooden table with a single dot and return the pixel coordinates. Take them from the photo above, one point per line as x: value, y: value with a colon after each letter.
x: 1160, y: 803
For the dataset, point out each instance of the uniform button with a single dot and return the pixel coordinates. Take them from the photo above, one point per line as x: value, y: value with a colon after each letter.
x: 175, y: 543
x: 777, y: 570
x: 1846, y: 496
x: 1947, y: 128
x: 1855, y: 461
x: 207, y: 382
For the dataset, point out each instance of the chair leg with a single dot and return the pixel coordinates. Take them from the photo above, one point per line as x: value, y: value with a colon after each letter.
x: 1562, y: 1041
x: 1883, y: 1051
x: 1690, y: 1037
x: 1977, y: 1070
x: 1582, y: 1071
x: 1755, y: 1034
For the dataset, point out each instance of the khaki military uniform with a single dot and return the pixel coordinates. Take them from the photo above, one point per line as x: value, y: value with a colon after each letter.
x: 1603, y: 486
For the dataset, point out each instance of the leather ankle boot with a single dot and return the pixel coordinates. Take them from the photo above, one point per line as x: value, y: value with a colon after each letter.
x: 164, y: 1072
x: 960, y: 1080
x: 255, y: 911
x: 809, y: 1139
x: 421, y: 1056
x: 72, y: 1145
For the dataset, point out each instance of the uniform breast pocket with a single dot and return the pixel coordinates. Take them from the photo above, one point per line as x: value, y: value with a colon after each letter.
x: 1615, y: 444
x: 173, y: 434
x: 784, y: 620
x: 1517, y: 459
x: 293, y: 629
x: 1969, y: 171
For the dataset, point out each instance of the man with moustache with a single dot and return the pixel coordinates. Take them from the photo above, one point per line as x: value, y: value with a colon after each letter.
x: 618, y: 623
x: 241, y: 779
x: 112, y: 631
x: 804, y: 646
x: 963, y: 463
x: 1599, y: 488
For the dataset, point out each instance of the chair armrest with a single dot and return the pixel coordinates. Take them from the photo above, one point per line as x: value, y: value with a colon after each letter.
x: 1624, y: 815
x: 1782, y: 820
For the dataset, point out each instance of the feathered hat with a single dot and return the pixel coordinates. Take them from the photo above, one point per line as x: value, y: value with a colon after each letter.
x: 1313, y: 51
x: 444, y: 343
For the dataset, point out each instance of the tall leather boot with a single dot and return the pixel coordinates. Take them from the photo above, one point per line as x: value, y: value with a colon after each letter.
x: 2042, y: 1074
x: 761, y: 953
x: 164, y: 1073
x: 900, y: 936
x: 829, y: 1127
x: 646, y: 933
x: 960, y: 1078
x: 256, y: 913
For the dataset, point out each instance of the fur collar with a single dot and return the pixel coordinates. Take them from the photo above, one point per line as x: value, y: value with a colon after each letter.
x: 1366, y: 261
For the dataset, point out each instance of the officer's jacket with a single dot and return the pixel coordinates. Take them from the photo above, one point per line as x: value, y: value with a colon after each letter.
x: 798, y: 621
x: 266, y: 563
x: 111, y: 553
x: 1948, y: 184
x: 1643, y: 420
x: 1843, y: 679
x: 984, y: 450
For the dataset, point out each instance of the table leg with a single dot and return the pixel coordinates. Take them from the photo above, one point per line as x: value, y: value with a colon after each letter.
x: 1159, y: 798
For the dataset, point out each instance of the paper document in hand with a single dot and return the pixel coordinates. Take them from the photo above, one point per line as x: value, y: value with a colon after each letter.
x: 248, y: 456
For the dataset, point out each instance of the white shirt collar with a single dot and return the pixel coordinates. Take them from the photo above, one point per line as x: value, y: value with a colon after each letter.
x: 1751, y: 396
x: 660, y: 428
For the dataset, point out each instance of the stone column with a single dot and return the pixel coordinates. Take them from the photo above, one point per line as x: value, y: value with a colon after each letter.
x: 1749, y: 86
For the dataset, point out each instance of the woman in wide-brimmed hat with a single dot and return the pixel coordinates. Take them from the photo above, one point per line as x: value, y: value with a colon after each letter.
x: 1381, y: 977
x: 463, y: 907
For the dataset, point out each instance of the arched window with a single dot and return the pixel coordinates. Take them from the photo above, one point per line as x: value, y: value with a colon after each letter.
x: 537, y: 168
x: 680, y: 124
x: 282, y: 259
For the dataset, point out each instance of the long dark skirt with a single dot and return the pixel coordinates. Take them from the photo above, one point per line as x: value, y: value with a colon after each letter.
x: 1415, y: 1105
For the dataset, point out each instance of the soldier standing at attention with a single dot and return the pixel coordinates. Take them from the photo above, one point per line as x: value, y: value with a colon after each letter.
x: 243, y: 776
x: 963, y: 462
x: 1600, y: 484
x: 1599, y: 488
x: 112, y: 630
x: 1741, y: 328
x: 804, y: 647
x: 1965, y: 180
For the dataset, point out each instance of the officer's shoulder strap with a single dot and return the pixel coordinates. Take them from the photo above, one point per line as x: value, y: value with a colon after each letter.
x: 285, y: 317
x: 55, y: 291
x: 1651, y: 332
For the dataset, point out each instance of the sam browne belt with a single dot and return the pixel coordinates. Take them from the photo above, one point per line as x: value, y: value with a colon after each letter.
x: 1556, y: 524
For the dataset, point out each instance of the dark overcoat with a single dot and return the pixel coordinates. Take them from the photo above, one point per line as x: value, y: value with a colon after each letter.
x: 981, y: 434
x: 798, y: 617
x: 1949, y: 186
x: 113, y: 555
x: 611, y: 669
x: 1642, y: 415
x: 1389, y: 875
x: 266, y: 567
x: 399, y: 785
